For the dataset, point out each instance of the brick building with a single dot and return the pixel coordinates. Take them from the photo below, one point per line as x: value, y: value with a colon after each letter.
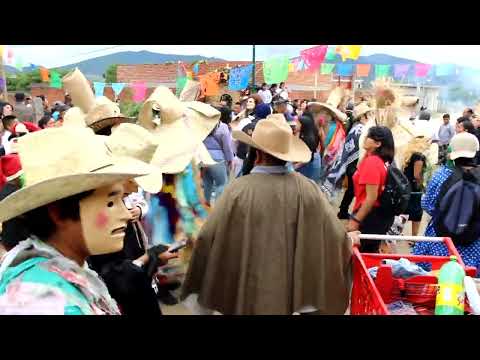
x: 301, y: 84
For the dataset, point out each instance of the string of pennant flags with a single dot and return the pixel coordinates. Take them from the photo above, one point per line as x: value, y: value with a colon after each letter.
x: 318, y: 59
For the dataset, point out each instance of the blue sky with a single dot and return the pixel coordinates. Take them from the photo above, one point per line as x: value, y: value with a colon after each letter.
x: 58, y: 55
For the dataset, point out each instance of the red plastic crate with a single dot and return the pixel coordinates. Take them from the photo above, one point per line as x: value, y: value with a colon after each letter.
x: 369, y: 297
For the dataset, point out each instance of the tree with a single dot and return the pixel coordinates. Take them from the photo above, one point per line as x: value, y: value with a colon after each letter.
x: 110, y: 74
x: 24, y: 80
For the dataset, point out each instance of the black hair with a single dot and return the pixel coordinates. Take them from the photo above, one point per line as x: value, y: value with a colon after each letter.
x: 225, y: 114
x: 309, y: 132
x: 468, y: 126
x: 462, y: 119
x: 106, y: 131
x: 469, y: 110
x: 41, y: 225
x: 446, y: 116
x: 273, y: 85
x: 282, y: 83
x: 44, y: 121
x: 8, y: 120
x: 227, y: 98
x: 463, y: 161
x: 384, y: 135
x: 264, y: 84
x: 19, y: 97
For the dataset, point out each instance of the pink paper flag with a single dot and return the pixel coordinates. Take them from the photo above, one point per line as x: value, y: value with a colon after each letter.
x: 313, y: 57
x: 139, y: 91
x: 401, y: 70
x: 421, y: 70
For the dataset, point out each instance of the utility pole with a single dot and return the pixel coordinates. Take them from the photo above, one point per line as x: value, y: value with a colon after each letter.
x: 253, y: 67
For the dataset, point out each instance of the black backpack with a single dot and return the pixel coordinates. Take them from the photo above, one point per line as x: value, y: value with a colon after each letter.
x: 396, y: 195
x: 458, y: 207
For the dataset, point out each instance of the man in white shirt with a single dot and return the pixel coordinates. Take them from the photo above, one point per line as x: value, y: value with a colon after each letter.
x: 265, y: 94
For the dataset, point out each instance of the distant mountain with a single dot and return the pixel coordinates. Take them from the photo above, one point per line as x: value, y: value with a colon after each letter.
x: 95, y: 67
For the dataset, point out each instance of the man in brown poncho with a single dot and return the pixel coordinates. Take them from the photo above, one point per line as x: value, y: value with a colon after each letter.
x: 272, y: 244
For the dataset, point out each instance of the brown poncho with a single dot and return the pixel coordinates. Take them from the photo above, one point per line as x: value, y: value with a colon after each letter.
x: 271, y: 245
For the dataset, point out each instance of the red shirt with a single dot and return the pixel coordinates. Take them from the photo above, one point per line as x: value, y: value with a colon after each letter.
x: 31, y: 127
x: 371, y: 171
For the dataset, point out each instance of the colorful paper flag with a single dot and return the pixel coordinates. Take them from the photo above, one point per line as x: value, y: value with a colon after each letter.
x: 98, y: 87
x: 1, y: 50
x: 326, y: 69
x: 421, y: 70
x: 196, y: 68
x: 331, y: 54
x: 10, y: 56
x: 2, y: 83
x: 180, y: 84
x: 291, y: 67
x: 117, y: 88
x: 55, y: 80
x: 300, y: 65
x: 239, y: 78
x: 349, y: 51
x: 445, y: 70
x: 209, y: 84
x: 401, y: 70
x: 275, y: 70
x: 382, y: 70
x: 363, y: 70
x: 313, y: 57
x: 19, y: 63
x: 344, y: 69
x: 139, y: 91
x: 44, y: 74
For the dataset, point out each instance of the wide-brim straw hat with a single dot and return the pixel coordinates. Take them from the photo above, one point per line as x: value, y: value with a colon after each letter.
x: 191, y: 91
x: 334, y: 99
x: 130, y: 140
x: 61, y: 162
x: 275, y: 137
x: 99, y: 112
x: 179, y: 127
x: 361, y: 109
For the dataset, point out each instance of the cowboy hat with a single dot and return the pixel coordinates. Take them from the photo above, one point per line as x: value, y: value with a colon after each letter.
x: 179, y: 127
x: 99, y: 112
x: 61, y: 162
x: 130, y: 140
x: 334, y: 99
x: 361, y: 109
x: 274, y: 136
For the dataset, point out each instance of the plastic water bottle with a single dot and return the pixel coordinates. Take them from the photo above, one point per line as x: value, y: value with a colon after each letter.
x: 451, y: 293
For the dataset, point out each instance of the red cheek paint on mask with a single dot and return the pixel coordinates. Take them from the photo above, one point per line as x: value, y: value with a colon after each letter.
x: 101, y: 220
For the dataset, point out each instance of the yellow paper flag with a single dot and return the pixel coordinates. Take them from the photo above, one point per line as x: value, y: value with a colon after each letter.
x: 1, y: 50
x: 349, y: 51
x: 291, y: 67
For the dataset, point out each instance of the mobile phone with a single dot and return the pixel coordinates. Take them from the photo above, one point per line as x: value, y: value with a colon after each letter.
x: 177, y: 246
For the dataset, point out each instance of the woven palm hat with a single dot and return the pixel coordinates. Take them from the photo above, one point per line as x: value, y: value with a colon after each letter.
x: 61, y: 162
x: 334, y: 100
x: 99, y: 112
x: 361, y: 109
x: 179, y: 127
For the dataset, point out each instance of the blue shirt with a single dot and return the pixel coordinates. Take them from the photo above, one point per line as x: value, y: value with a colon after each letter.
x: 470, y: 254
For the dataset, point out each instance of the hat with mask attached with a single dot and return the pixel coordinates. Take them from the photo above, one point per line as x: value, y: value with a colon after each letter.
x: 99, y: 113
x: 180, y: 127
x: 84, y: 163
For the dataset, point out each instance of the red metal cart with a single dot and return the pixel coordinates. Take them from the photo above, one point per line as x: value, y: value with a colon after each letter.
x: 370, y: 297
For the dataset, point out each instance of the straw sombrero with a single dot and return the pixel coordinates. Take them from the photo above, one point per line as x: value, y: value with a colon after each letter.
x: 274, y: 136
x: 191, y: 91
x: 332, y: 103
x: 99, y: 112
x: 61, y: 162
x: 179, y: 127
x: 361, y: 109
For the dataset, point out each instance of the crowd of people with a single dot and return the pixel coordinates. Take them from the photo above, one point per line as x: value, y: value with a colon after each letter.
x: 234, y: 201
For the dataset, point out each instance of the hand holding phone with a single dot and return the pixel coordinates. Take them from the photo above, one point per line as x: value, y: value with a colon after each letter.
x: 177, y: 246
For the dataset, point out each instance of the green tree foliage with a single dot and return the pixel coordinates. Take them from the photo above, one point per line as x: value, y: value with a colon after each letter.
x: 24, y: 80
x: 130, y: 109
x: 110, y: 75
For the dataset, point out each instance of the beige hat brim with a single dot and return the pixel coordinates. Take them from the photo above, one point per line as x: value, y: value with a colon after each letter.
x: 51, y: 190
x: 340, y: 115
x: 202, y: 157
x: 464, y: 153
x: 299, y: 151
x: 151, y: 183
